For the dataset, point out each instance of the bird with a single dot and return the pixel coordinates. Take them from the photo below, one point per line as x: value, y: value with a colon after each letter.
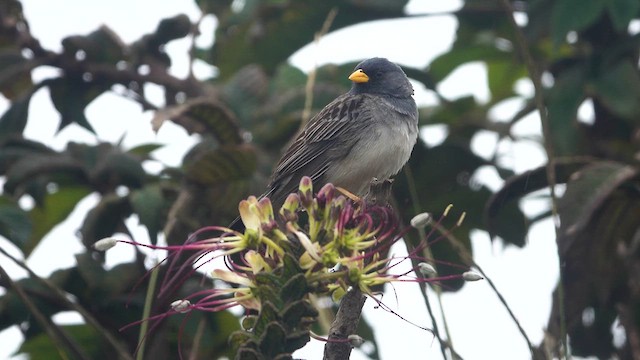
x: 368, y: 132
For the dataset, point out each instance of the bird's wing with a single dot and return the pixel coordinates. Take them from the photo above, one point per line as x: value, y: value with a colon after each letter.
x: 311, y: 154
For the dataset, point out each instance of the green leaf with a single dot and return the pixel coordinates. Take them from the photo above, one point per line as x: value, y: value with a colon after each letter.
x: 105, y: 219
x: 574, y: 15
x: 15, y: 75
x: 586, y: 190
x: 71, y: 95
x: 15, y: 224
x: 41, y: 346
x: 502, y: 77
x: 55, y: 208
x: 172, y: 28
x: 100, y: 46
x: 206, y: 117
x: 144, y: 150
x: 221, y: 165
x: 14, y: 120
x: 151, y: 207
x: 29, y: 169
x: 618, y: 87
x: 444, y: 64
x: 622, y: 12
x: 563, y: 101
x: 114, y: 168
x: 272, y: 340
x: 515, y: 188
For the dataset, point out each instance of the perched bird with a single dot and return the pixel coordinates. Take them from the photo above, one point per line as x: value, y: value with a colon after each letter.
x: 367, y: 133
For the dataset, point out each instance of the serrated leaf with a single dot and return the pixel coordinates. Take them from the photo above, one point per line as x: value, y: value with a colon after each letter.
x: 294, y: 289
x: 15, y: 224
x: 221, y: 165
x: 586, y: 190
x: 55, y: 208
x: 272, y: 341
x: 574, y: 15
x: 202, y: 117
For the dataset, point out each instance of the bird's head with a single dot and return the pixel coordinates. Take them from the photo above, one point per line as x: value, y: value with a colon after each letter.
x: 380, y: 76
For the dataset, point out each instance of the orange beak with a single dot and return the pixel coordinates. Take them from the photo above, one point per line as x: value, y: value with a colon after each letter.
x: 359, y: 76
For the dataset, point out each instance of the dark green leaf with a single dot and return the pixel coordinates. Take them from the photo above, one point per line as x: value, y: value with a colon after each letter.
x: 618, y: 87
x: 100, y: 46
x: 105, y: 219
x: 517, y: 187
x: 221, y: 165
x: 144, y: 150
x: 172, y: 28
x: 41, y: 346
x: 151, y: 207
x: 586, y: 190
x: 33, y: 167
x: 272, y: 340
x: 15, y: 224
x: 71, y: 95
x: 14, y: 119
x: 55, y: 208
x: 574, y: 15
x: 622, y: 12
x: 15, y: 76
x: 563, y: 101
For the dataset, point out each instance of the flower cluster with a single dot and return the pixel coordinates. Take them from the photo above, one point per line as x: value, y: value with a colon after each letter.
x: 322, y: 244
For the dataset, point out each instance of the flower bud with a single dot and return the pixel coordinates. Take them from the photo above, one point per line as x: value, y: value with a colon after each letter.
x: 355, y: 340
x: 181, y: 306
x: 325, y: 195
x: 105, y: 244
x: 305, y: 190
x: 427, y: 269
x: 421, y: 220
x: 289, y: 210
x: 471, y: 276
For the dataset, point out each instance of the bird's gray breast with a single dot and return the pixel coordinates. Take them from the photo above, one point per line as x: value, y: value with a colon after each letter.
x: 383, y: 146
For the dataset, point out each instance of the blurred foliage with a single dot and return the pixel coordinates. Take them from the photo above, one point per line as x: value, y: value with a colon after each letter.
x: 587, y: 51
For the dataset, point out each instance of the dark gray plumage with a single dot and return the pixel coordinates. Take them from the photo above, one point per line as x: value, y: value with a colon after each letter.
x: 367, y: 132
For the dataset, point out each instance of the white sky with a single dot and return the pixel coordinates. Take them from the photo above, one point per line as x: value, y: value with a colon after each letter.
x: 479, y: 324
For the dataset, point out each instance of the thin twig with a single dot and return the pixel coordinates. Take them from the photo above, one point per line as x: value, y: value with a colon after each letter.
x: 60, y: 340
x: 413, y: 191
x: 534, y: 75
x: 311, y: 79
x: 148, y: 302
x: 121, y: 349
x: 468, y: 260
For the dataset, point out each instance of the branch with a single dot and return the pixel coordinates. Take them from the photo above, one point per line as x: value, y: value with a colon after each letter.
x: 345, y: 324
